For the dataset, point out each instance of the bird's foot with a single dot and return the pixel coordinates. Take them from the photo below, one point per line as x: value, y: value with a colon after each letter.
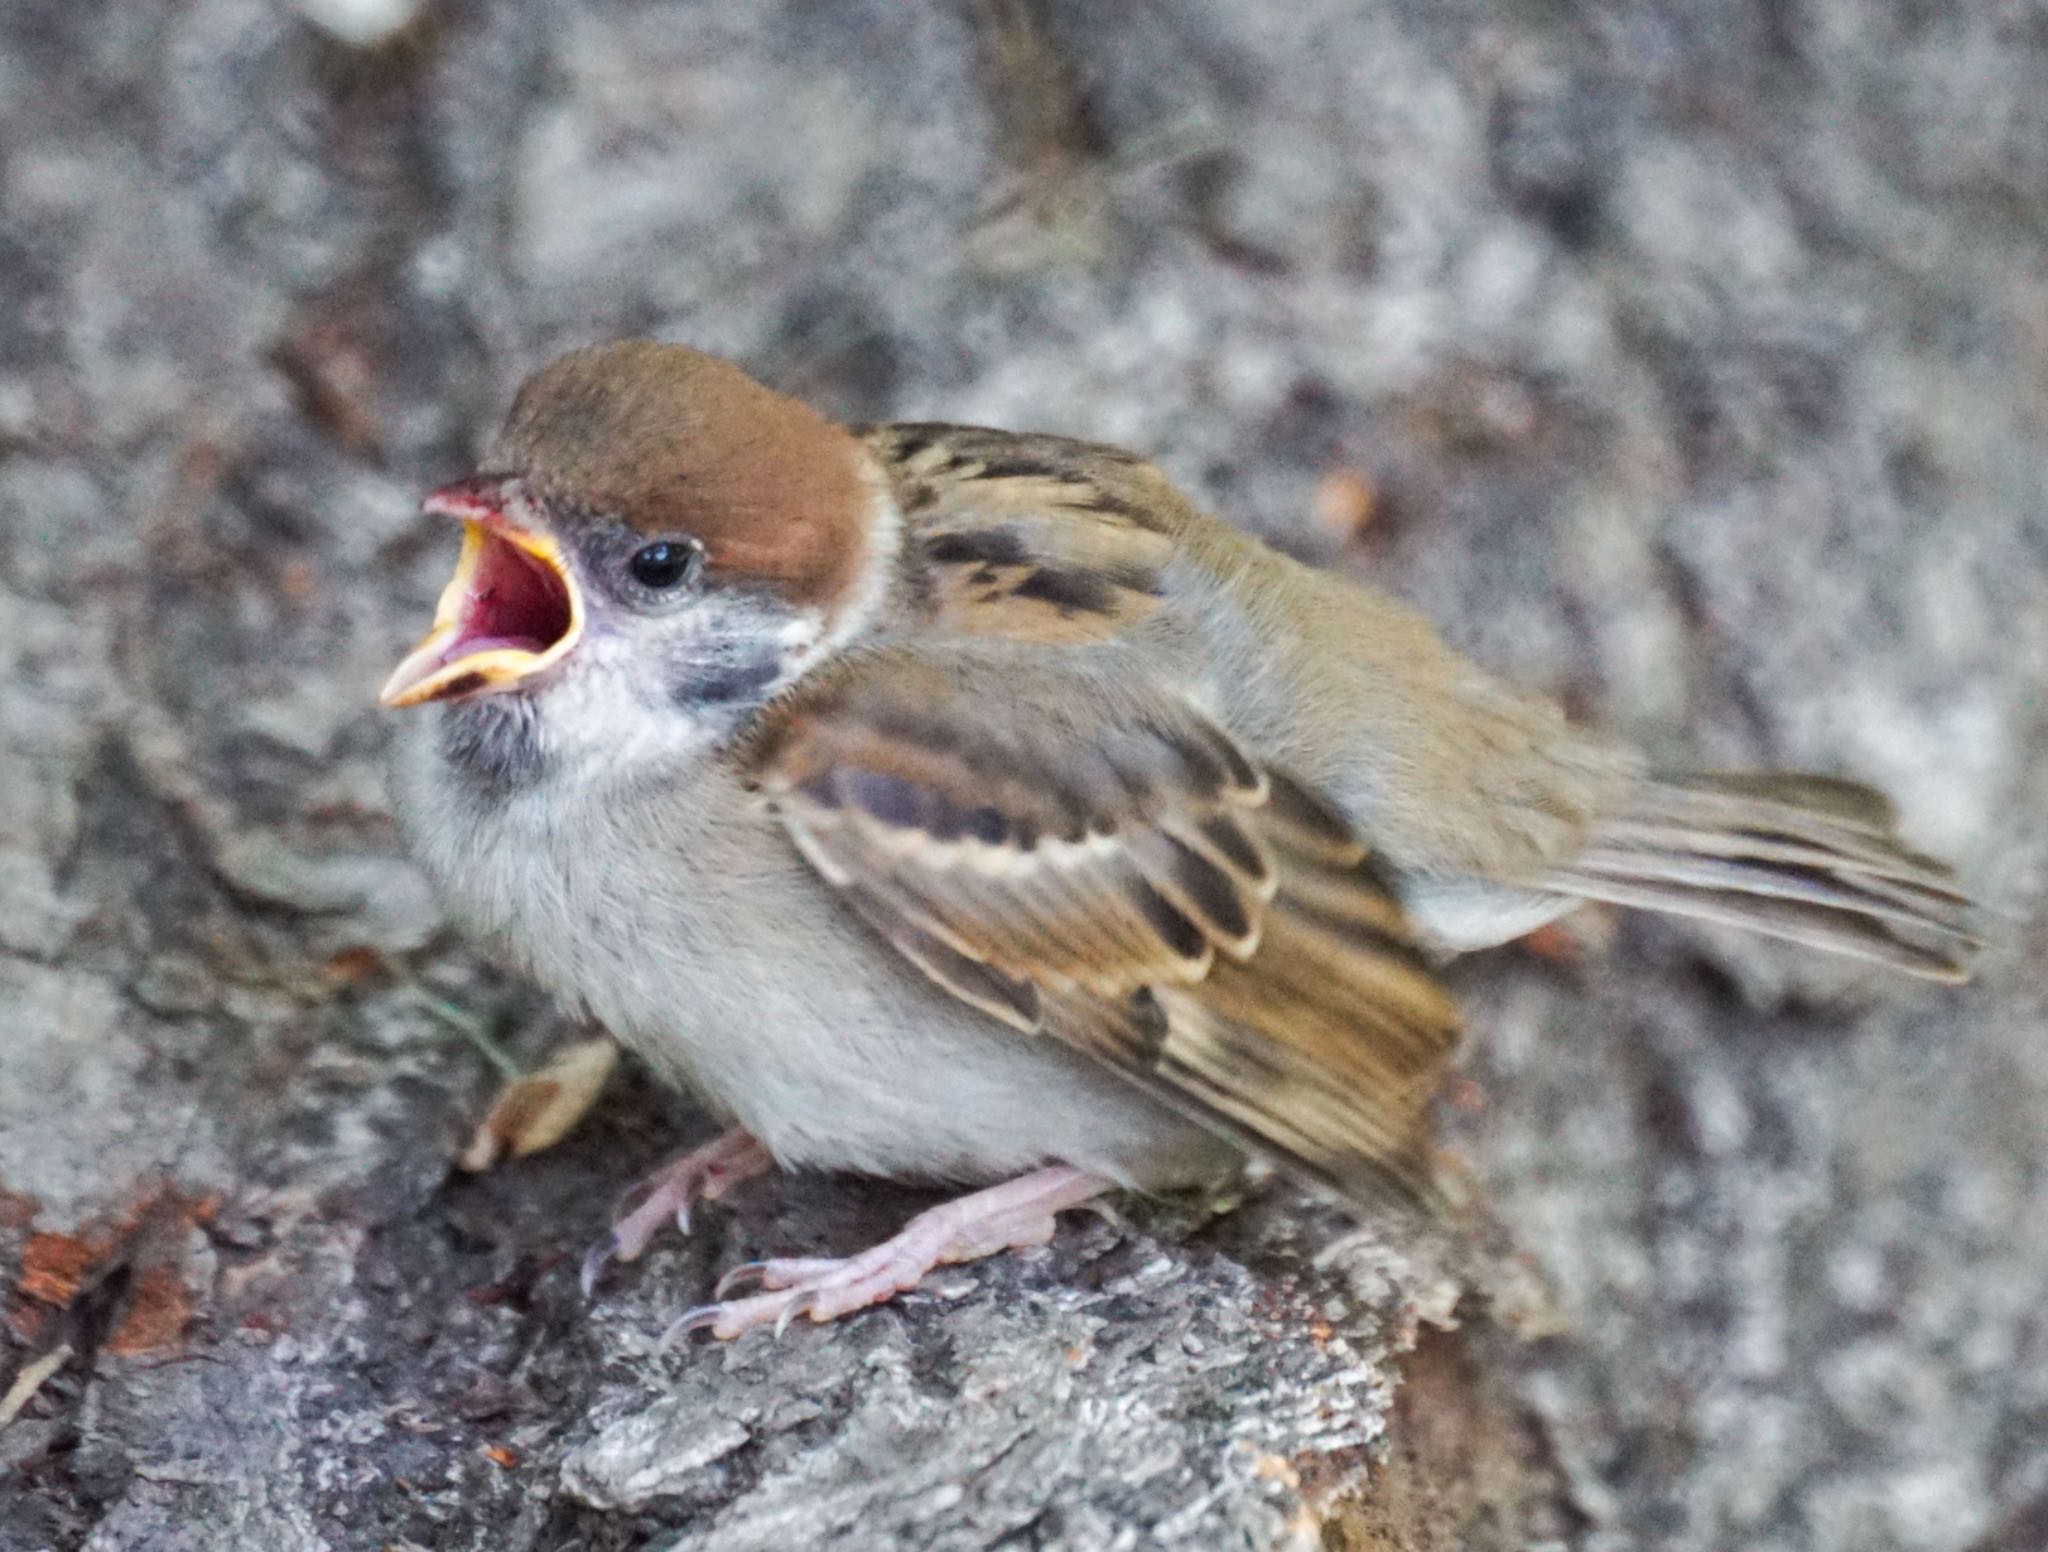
x: 1009, y: 1216
x: 701, y: 1175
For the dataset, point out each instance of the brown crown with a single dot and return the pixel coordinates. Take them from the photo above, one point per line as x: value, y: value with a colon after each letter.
x: 673, y: 442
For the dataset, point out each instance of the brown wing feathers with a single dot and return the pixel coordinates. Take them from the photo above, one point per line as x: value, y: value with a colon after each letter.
x: 1144, y: 892
x: 1034, y: 538
x: 1326, y: 1043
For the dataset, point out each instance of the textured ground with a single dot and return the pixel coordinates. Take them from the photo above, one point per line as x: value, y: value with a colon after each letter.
x: 1688, y: 359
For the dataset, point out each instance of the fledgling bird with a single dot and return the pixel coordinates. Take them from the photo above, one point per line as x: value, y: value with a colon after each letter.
x: 965, y: 805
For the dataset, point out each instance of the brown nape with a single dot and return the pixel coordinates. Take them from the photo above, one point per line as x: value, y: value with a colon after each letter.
x: 675, y: 442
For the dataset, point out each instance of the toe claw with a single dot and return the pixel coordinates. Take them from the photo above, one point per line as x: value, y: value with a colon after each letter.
x: 1107, y: 1211
x: 595, y: 1260
x: 746, y: 1274
x: 790, y: 1311
x: 704, y: 1317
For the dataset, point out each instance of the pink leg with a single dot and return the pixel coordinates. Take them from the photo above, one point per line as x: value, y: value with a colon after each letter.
x: 701, y: 1175
x: 1017, y: 1213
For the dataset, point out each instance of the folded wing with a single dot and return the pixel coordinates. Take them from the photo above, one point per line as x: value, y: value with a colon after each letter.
x: 1110, y: 869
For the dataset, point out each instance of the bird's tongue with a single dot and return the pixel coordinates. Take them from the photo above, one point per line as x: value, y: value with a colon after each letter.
x: 467, y: 645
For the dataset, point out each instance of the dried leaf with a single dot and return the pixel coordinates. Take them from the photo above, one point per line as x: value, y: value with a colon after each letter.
x: 1345, y: 504
x: 30, y: 1380
x: 54, y: 1266
x: 540, y: 1109
x: 159, y: 1310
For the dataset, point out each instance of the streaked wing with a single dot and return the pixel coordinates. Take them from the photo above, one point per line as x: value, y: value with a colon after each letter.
x: 1112, y: 870
x: 1033, y: 538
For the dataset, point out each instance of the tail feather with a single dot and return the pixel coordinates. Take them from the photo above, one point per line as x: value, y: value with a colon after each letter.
x: 1849, y: 801
x: 1807, y: 858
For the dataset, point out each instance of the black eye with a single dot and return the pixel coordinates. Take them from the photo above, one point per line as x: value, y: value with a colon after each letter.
x: 664, y: 564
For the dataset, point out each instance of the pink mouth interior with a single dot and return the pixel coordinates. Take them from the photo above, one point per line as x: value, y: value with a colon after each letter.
x: 513, y: 600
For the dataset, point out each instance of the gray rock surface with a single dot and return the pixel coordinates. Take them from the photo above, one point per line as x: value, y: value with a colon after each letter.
x: 1687, y: 359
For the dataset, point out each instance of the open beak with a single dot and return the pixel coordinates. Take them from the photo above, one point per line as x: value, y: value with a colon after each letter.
x: 510, y: 610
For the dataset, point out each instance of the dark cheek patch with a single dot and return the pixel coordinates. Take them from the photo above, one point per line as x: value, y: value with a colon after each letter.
x: 723, y: 684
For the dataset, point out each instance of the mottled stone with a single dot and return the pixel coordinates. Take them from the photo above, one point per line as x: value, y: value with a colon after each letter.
x: 1693, y: 358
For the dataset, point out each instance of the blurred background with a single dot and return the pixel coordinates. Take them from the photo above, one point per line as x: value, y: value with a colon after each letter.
x: 1687, y: 359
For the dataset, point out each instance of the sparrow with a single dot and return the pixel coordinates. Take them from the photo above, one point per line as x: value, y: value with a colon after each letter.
x: 967, y: 806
